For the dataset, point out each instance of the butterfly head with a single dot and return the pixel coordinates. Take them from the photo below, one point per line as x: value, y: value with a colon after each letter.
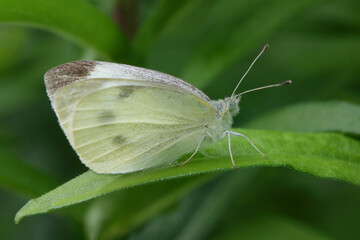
x: 232, y: 104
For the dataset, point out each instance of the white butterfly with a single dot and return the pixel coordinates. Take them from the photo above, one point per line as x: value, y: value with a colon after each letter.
x: 121, y: 118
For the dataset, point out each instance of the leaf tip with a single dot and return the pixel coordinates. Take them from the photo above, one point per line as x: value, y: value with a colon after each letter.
x: 23, y: 212
x: 18, y: 217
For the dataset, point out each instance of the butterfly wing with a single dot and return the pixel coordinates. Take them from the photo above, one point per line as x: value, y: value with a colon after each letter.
x: 71, y: 72
x: 120, y: 125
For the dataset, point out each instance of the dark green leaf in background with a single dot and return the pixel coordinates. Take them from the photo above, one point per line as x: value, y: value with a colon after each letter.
x: 128, y: 209
x: 218, y: 50
x: 164, y: 13
x: 33, y: 181
x: 333, y: 116
x: 74, y: 19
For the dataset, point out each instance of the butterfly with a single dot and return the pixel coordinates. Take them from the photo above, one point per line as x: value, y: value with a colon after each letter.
x: 121, y: 118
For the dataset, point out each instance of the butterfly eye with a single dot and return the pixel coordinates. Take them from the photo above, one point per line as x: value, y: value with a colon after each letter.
x: 231, y: 106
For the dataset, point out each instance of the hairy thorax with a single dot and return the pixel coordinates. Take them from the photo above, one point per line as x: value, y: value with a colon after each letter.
x: 224, y: 118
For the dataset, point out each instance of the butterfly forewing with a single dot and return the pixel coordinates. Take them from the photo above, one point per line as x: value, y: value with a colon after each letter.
x: 133, y: 125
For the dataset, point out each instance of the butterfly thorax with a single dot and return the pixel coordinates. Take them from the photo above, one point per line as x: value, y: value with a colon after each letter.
x: 225, y: 109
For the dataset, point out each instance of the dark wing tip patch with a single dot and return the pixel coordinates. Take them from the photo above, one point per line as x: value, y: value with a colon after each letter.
x: 67, y: 73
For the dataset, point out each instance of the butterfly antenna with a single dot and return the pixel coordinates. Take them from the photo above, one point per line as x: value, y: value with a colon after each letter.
x: 262, y: 51
x: 269, y: 86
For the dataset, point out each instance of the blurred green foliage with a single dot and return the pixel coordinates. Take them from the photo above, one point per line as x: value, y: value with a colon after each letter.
x: 209, y: 44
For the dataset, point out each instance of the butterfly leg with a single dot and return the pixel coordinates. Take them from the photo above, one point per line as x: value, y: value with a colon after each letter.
x: 242, y: 135
x: 196, y: 150
x: 229, y: 141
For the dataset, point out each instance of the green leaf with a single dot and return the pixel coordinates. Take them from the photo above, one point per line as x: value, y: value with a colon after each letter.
x: 327, y: 155
x: 74, y: 19
x: 333, y: 116
x: 20, y: 177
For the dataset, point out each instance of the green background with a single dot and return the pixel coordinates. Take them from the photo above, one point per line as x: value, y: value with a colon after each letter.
x: 210, y: 44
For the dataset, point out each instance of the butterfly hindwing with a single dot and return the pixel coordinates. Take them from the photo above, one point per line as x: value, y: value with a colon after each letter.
x: 122, y: 125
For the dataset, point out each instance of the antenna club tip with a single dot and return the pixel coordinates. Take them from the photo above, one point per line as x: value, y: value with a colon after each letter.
x: 266, y: 46
x: 286, y: 82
